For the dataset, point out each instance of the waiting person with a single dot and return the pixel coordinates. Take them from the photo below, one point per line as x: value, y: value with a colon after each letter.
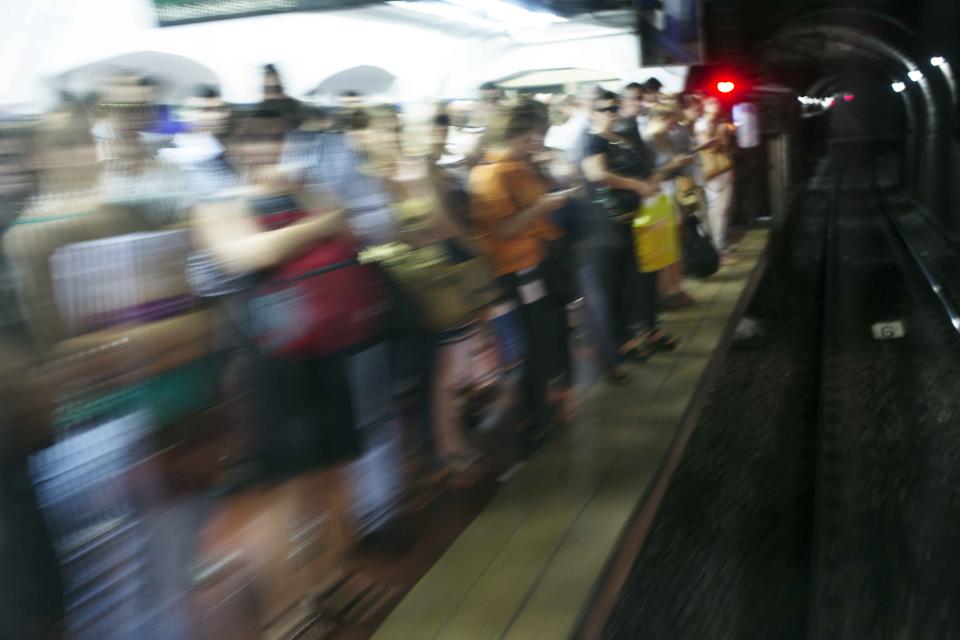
x: 307, y: 423
x: 511, y: 209
x: 570, y: 133
x: 350, y: 99
x: 488, y: 118
x: 717, y: 168
x: 27, y: 556
x: 275, y: 98
x: 619, y: 179
x: 153, y: 189
x: 67, y: 207
x: 585, y: 222
x: 671, y: 145
x: 199, y: 151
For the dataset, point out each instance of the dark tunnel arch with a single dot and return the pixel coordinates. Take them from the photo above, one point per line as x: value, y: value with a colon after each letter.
x: 895, y: 50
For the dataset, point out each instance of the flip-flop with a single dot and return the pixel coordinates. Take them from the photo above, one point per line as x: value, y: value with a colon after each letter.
x: 663, y: 342
x: 618, y: 376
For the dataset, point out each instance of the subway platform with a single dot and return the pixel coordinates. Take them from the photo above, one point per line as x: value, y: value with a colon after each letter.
x: 541, y: 559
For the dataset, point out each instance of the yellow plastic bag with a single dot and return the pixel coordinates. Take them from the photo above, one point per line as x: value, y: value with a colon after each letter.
x: 655, y: 234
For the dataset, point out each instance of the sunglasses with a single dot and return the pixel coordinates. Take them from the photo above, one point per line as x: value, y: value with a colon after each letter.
x: 611, y: 109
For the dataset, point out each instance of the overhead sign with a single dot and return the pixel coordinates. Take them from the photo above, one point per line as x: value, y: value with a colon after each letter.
x: 670, y: 32
x: 171, y: 13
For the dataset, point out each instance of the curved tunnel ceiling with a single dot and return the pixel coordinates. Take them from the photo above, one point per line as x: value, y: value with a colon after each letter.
x: 827, y: 48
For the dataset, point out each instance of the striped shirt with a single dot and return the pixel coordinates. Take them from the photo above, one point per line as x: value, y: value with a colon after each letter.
x: 329, y: 164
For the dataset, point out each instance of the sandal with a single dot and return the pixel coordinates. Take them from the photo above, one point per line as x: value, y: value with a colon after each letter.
x: 618, y: 375
x: 658, y: 341
x: 637, y: 352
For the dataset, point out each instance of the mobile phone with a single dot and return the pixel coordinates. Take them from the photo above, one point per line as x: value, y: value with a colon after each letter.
x: 566, y: 192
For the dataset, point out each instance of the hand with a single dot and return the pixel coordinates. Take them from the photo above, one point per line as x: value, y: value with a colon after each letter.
x: 551, y: 202
x: 684, y: 160
x: 570, y: 192
x: 647, y: 189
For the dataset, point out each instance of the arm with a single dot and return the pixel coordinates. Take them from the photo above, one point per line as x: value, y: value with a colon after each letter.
x: 595, y: 170
x: 495, y: 208
x: 228, y: 229
x: 547, y: 204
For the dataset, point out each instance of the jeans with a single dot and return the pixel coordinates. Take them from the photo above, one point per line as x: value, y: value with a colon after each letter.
x: 598, y: 313
x: 631, y: 293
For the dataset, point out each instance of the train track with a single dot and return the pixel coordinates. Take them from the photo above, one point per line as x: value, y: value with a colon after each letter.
x: 819, y: 496
x: 886, y: 505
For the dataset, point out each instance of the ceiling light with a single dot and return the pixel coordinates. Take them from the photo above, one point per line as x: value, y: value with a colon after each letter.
x: 916, y: 75
x: 511, y: 15
x: 449, y: 12
x: 937, y: 61
x: 899, y: 87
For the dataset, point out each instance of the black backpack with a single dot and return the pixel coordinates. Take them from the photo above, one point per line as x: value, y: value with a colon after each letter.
x: 700, y: 258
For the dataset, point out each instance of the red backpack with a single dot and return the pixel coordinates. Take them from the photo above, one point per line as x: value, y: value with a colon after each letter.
x: 319, y: 303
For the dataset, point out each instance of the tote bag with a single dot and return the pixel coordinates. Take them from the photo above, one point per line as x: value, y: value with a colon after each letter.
x: 655, y: 234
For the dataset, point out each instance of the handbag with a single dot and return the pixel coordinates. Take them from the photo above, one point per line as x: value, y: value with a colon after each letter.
x: 713, y: 163
x: 616, y: 203
x: 320, y: 303
x: 655, y: 234
x: 559, y: 270
x: 688, y: 195
x: 700, y: 258
x: 447, y: 294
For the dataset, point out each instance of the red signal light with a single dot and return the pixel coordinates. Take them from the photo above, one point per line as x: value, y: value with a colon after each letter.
x: 848, y: 97
x: 726, y: 86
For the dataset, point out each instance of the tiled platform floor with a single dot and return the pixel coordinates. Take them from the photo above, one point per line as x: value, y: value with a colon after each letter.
x: 526, y: 567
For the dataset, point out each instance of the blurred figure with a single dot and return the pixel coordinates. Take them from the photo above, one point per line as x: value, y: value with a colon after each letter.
x: 306, y: 422
x: 717, y: 166
x: 199, y: 152
x: 672, y: 147
x: 455, y: 223
x: 619, y: 179
x: 276, y: 99
x: 82, y: 479
x: 511, y: 209
x: 569, y: 135
x: 488, y: 119
x: 66, y: 208
x: 27, y: 556
x: 130, y: 101
x: 584, y: 224
x: 350, y: 99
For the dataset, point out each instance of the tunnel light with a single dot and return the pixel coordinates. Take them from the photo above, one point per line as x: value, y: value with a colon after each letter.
x: 899, y: 87
x: 916, y: 75
x: 936, y: 61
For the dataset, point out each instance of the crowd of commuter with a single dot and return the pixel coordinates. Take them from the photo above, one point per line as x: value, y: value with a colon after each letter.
x: 364, y: 302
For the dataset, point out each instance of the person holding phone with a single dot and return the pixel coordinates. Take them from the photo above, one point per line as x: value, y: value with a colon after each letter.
x: 619, y: 179
x: 511, y: 209
x: 715, y: 134
x: 672, y: 143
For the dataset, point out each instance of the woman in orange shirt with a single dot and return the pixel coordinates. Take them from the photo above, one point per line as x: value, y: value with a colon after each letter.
x: 511, y: 210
